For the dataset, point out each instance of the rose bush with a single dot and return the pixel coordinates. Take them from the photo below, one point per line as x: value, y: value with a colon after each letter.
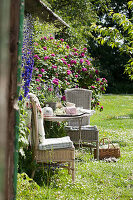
x: 59, y: 66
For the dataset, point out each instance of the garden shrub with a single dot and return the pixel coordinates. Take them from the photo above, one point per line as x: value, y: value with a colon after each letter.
x: 58, y: 67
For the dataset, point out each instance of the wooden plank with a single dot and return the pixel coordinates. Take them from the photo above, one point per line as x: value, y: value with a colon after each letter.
x: 12, y: 94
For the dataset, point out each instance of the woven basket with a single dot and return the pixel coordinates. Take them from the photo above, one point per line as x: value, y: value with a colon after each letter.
x: 110, y: 151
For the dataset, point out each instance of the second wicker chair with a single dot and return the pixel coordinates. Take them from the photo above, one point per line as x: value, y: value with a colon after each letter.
x: 89, y: 134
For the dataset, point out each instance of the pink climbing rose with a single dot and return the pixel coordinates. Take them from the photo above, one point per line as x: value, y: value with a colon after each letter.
x: 68, y: 72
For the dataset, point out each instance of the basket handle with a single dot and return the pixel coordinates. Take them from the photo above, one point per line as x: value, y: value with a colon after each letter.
x: 109, y: 142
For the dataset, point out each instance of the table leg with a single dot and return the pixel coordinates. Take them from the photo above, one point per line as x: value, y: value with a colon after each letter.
x: 80, y: 140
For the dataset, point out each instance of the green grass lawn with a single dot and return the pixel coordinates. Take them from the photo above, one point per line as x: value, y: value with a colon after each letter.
x: 95, y: 179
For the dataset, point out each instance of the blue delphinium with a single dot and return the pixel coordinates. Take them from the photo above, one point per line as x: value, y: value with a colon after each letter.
x: 27, y: 56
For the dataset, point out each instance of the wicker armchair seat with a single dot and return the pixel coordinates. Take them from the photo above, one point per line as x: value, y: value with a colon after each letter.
x: 56, y: 143
x: 88, y: 133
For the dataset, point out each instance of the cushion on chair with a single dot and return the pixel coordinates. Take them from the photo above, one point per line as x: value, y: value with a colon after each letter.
x: 56, y: 143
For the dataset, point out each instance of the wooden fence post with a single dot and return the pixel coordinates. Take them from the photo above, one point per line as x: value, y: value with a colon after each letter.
x: 4, y: 82
x: 11, y: 25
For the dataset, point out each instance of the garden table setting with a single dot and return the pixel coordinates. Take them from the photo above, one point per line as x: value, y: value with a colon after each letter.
x: 70, y: 114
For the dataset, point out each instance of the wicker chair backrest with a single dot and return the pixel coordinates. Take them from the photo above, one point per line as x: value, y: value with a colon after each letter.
x: 81, y: 98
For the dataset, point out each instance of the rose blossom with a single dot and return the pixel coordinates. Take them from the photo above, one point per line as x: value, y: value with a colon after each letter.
x: 93, y: 87
x: 45, y: 48
x: 56, y: 81
x: 104, y: 79
x: 67, y: 46
x: 54, y: 67
x: 88, y: 62
x: 61, y: 39
x: 96, y: 71
x: 40, y: 75
x: 81, y: 60
x: 73, y: 61
x: 63, y: 98
x: 75, y: 49
x: 51, y: 38
x: 101, y: 108
x: 68, y: 72
x: 37, y: 57
x: 85, y: 49
x: 76, y: 76
x: 65, y: 62
x: 37, y: 80
x: 53, y: 54
x: 46, y: 57
x: 50, y: 89
x: 82, y: 54
x: 84, y: 69
x: 42, y: 70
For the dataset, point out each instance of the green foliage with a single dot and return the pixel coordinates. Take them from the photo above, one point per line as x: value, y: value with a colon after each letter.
x: 120, y: 36
x: 26, y: 164
x: 28, y: 189
x: 78, y: 14
x: 42, y: 28
x: 24, y: 130
x: 54, y: 129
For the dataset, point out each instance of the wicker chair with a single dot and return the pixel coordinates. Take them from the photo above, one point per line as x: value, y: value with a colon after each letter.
x: 51, y: 150
x: 89, y: 134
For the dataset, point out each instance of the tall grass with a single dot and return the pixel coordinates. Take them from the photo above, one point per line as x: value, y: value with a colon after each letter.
x: 95, y: 179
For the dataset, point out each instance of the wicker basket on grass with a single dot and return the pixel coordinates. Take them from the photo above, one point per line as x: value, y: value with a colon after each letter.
x: 107, y: 151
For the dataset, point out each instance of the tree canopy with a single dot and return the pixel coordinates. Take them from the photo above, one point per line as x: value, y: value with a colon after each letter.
x: 105, y: 28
